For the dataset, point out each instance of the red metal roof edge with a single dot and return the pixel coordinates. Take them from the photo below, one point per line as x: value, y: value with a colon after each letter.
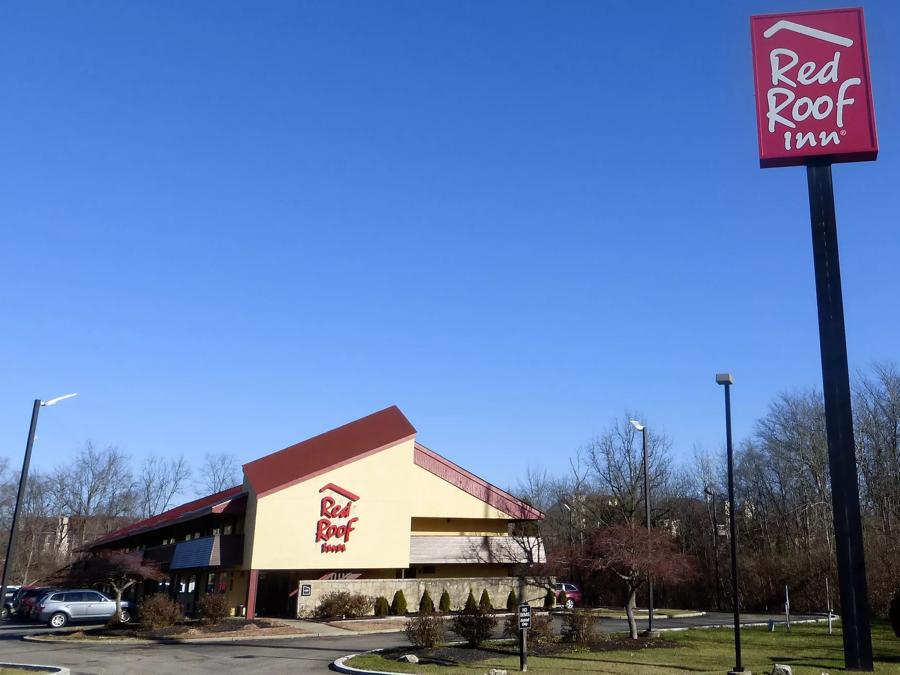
x: 214, y: 503
x: 477, y: 487
x: 387, y: 427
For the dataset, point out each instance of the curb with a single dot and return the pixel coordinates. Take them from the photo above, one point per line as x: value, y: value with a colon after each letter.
x: 56, y: 670
x: 188, y: 641
x: 340, y: 666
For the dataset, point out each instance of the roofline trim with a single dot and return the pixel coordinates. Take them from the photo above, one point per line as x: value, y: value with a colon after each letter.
x: 137, y: 528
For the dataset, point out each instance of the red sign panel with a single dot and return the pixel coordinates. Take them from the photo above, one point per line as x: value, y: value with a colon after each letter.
x: 813, y: 91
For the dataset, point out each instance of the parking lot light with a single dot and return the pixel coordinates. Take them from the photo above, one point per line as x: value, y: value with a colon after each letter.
x: 23, y: 479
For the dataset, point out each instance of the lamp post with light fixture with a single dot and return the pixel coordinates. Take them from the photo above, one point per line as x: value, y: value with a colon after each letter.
x: 23, y: 479
x: 643, y: 429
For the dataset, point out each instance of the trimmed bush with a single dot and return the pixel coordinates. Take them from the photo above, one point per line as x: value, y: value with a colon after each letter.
x: 894, y: 613
x: 444, y: 602
x: 475, y: 625
x: 398, y: 604
x: 343, y: 604
x: 425, y: 630
x: 212, y: 608
x: 470, y: 603
x: 561, y: 599
x: 426, y: 604
x: 159, y: 611
x: 549, y: 599
x: 512, y: 601
x: 382, y: 608
x: 485, y: 602
x: 579, y: 627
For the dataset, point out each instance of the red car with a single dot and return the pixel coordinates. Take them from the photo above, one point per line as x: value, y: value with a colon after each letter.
x: 572, y: 594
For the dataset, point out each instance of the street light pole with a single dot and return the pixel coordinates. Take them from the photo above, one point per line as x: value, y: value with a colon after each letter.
x: 643, y: 429
x: 23, y: 480
x: 726, y: 380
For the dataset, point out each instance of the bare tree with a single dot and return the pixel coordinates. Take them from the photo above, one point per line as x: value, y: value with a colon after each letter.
x: 159, y: 482
x: 96, y: 490
x: 219, y: 472
x: 616, y: 461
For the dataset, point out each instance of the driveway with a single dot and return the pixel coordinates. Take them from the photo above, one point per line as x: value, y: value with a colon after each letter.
x: 295, y: 655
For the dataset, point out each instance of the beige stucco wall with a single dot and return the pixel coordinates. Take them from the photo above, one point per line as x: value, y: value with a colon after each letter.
x: 281, y: 526
x: 433, y: 497
x: 472, y: 527
x: 284, y: 529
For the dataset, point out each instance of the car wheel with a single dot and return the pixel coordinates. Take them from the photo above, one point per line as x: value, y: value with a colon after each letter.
x: 58, y: 620
x: 125, y: 616
x: 570, y: 604
x: 5, y: 613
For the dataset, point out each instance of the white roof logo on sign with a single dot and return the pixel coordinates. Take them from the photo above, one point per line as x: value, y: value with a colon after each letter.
x: 806, y: 30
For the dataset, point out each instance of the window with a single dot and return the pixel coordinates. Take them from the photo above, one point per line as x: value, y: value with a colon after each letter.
x: 94, y: 597
x: 211, y: 582
x: 223, y: 580
x: 227, y: 529
x: 192, y: 584
x: 73, y: 597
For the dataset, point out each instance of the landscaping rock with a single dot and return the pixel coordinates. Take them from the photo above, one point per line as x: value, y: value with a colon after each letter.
x: 409, y: 658
x: 496, y: 671
x: 781, y: 670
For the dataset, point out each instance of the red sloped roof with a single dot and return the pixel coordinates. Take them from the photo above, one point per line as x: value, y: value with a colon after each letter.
x: 475, y: 486
x: 215, y: 503
x: 329, y: 450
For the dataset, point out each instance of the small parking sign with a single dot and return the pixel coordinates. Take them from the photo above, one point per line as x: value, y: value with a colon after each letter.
x: 524, y: 617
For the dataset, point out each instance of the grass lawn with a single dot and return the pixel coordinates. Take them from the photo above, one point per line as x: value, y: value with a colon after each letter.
x: 808, y: 649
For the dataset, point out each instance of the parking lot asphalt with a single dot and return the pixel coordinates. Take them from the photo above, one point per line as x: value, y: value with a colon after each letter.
x: 276, y: 655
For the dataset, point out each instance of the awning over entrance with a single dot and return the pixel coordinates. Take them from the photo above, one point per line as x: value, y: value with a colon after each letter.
x: 215, y: 551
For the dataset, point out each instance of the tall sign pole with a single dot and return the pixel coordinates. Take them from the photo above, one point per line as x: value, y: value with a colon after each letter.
x: 814, y: 108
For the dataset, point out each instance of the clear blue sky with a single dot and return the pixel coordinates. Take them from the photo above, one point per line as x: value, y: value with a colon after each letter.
x: 233, y: 225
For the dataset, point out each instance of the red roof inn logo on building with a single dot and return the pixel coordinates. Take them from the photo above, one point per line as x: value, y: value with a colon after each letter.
x: 813, y: 92
x: 335, y: 519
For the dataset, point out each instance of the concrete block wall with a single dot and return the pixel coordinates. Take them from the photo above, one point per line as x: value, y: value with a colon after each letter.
x: 458, y: 588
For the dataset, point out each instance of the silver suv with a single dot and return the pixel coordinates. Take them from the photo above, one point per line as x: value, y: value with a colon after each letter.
x: 60, y: 607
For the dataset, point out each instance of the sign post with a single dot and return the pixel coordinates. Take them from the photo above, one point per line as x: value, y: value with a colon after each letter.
x: 814, y: 108
x: 524, y: 624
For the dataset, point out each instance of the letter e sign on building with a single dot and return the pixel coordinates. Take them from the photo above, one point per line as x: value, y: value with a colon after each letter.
x: 813, y: 90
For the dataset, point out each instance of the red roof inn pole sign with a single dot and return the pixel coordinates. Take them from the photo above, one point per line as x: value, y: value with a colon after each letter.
x: 813, y: 95
x: 814, y: 107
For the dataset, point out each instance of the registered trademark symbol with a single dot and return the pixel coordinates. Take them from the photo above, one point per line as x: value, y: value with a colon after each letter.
x: 843, y: 132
